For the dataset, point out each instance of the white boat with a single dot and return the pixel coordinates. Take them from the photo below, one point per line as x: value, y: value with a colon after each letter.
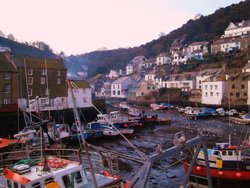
x: 192, y: 113
x: 54, y: 172
x: 112, y: 117
x: 115, y: 129
x: 135, y: 112
x: 58, y: 132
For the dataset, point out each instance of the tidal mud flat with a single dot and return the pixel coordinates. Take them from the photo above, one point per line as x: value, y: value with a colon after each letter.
x: 168, y: 172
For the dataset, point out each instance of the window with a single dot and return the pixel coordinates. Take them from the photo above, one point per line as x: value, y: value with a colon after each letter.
x: 30, y: 71
x: 118, y: 92
x: 113, y: 86
x: 66, y: 181
x: 30, y: 80
x: 84, y: 100
x: 113, y: 92
x: 233, y: 86
x: 9, y: 183
x: 43, y: 71
x: 199, y: 81
x: 47, y: 92
x: 42, y: 80
x: 205, y: 87
x: 118, y: 86
x: 211, y: 94
x: 7, y: 88
x: 224, y: 153
x: 78, y: 177
x: 6, y: 100
x: 215, y: 87
x: 211, y: 87
x: 15, y: 185
x: 206, y: 94
x: 49, y: 180
x: 30, y: 92
x: 36, y: 185
x: 142, y: 94
x: 230, y: 153
x: 6, y: 76
x: 58, y: 80
x: 242, y: 86
x: 217, y: 94
x: 245, y: 94
x: 237, y: 95
x: 58, y: 73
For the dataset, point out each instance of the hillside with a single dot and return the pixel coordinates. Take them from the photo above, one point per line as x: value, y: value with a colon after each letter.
x: 206, y: 28
x: 20, y: 49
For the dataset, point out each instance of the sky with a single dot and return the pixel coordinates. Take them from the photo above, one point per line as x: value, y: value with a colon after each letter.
x: 80, y: 26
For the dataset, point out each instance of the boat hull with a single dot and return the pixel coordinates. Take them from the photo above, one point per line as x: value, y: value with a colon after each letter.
x: 225, y: 177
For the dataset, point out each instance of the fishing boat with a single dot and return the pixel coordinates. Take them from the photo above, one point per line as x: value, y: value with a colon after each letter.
x: 243, y: 120
x: 115, y: 129
x: 55, y: 169
x: 155, y: 120
x: 58, y: 132
x: 90, y: 131
x: 229, y: 165
x: 114, y: 117
x: 7, y: 144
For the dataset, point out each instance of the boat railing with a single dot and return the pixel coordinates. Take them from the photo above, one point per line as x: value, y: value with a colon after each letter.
x: 8, y: 158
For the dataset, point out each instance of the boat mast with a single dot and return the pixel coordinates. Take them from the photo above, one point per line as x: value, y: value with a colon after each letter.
x: 27, y: 87
x: 78, y: 124
x: 47, y: 82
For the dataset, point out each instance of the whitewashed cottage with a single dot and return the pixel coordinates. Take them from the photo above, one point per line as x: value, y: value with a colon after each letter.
x: 82, y: 93
x: 213, y: 90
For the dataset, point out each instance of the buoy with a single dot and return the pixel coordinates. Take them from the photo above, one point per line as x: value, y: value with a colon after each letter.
x: 220, y: 173
x: 238, y: 174
x: 198, y: 168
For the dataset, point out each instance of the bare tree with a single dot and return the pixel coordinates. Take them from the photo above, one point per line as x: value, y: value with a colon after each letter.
x: 2, y: 34
x: 11, y: 37
x: 162, y: 34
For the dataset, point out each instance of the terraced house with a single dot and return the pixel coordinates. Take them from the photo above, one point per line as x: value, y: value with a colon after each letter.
x: 8, y: 84
x: 29, y: 82
x: 43, y: 79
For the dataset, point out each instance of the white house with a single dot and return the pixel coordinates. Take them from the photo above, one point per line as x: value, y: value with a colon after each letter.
x: 181, y: 57
x: 204, y: 74
x: 163, y: 59
x: 119, y: 88
x: 150, y: 76
x: 237, y: 29
x: 113, y: 74
x: 213, y: 90
x: 202, y: 45
x: 129, y: 69
x: 185, y: 81
x: 82, y: 93
x: 198, y: 49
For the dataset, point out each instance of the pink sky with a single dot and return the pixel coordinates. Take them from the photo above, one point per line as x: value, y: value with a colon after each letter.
x: 80, y: 26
